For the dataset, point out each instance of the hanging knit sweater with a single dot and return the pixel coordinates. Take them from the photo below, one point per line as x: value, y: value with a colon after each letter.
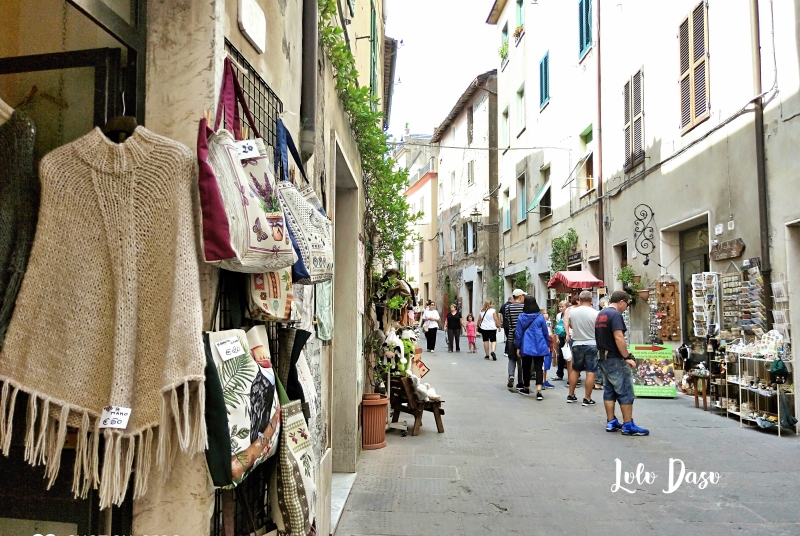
x: 19, y: 205
x: 109, y: 313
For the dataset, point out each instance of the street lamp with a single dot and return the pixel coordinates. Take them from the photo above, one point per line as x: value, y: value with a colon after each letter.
x: 475, y: 217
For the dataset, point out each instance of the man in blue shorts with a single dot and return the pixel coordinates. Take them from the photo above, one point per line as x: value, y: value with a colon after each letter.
x: 615, y: 364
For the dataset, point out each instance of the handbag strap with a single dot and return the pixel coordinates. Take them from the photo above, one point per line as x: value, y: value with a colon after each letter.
x: 230, y: 93
x: 285, y: 141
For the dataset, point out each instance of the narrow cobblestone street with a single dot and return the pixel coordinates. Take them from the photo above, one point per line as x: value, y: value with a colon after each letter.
x: 508, y: 464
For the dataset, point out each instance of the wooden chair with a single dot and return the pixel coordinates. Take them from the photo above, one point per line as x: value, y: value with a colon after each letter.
x: 403, y: 399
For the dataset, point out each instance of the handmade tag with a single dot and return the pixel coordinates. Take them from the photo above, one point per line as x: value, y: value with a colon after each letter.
x: 246, y: 149
x: 115, y: 417
x: 230, y: 348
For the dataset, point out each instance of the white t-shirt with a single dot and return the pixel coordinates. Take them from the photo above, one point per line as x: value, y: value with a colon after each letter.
x: 487, y: 322
x: 430, y: 319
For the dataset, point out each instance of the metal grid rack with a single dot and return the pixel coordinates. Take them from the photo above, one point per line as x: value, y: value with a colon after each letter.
x: 266, y: 107
x: 263, y: 102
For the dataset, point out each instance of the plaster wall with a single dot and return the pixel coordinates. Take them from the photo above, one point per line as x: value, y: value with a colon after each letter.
x: 422, y: 197
x: 458, y: 199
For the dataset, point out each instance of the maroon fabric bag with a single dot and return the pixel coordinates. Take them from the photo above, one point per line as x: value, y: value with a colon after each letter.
x: 216, y: 232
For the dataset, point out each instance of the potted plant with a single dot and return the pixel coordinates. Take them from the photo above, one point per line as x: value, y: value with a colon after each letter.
x: 631, y: 283
x: 518, y: 33
x: 503, y: 51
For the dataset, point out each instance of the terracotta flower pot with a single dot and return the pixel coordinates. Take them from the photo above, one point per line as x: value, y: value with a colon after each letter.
x: 644, y: 294
x: 636, y: 279
x: 373, y: 421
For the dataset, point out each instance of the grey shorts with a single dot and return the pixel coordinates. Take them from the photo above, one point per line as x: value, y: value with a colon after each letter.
x: 617, y: 380
x: 584, y: 358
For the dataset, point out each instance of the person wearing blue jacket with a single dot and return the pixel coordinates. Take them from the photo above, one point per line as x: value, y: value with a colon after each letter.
x: 533, y: 343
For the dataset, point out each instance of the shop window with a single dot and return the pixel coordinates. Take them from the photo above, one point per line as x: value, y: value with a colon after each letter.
x: 634, y: 121
x: 693, y: 59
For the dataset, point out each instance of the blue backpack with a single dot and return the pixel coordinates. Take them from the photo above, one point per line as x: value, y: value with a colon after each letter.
x: 560, y: 331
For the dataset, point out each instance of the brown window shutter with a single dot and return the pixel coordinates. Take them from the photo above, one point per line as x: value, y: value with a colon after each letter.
x: 637, y: 113
x: 628, y: 129
x: 685, y: 74
x: 700, y: 60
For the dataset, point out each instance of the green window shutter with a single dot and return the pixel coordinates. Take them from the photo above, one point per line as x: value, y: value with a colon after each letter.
x: 544, y: 79
x: 587, y: 19
x: 581, y: 26
x: 520, y: 13
x: 352, y: 5
x: 541, y: 82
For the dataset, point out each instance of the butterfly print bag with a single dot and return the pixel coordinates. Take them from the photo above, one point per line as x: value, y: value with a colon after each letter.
x: 244, y: 226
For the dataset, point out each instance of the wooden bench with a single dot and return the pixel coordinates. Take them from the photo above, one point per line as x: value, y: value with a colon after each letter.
x: 404, y: 400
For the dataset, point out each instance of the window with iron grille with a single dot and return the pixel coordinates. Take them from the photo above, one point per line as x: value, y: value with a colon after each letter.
x: 471, y: 173
x: 584, y: 26
x: 693, y: 58
x: 634, y: 121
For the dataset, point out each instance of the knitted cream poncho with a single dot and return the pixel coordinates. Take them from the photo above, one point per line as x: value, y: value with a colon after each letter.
x: 109, y: 313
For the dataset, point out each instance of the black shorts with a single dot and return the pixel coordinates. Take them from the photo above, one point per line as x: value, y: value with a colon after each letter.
x: 489, y: 335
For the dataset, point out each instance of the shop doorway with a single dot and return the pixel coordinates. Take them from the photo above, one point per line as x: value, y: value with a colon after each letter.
x: 470, y: 297
x: 694, y: 260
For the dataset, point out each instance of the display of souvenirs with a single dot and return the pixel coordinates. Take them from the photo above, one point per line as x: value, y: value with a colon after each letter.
x: 664, y: 312
x: 705, y: 304
x: 731, y: 315
x: 751, y: 302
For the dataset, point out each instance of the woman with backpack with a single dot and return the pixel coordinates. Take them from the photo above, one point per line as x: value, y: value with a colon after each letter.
x: 532, y: 340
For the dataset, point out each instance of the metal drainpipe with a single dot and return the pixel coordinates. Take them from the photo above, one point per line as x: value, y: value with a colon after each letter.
x: 308, y: 95
x: 600, y: 226
x: 761, y: 168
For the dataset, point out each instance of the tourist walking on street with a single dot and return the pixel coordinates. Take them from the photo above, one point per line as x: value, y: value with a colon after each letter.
x: 615, y: 364
x: 561, y: 333
x: 513, y: 310
x: 580, y: 326
x: 471, y: 330
x: 573, y: 303
x: 502, y: 312
x: 489, y: 325
x: 454, y: 325
x: 548, y: 359
x: 430, y: 324
x: 532, y: 340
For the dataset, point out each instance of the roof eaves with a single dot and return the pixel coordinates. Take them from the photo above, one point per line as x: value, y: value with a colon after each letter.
x: 497, y: 10
x: 473, y: 87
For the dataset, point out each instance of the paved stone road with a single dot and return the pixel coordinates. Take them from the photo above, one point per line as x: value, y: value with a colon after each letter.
x: 508, y: 464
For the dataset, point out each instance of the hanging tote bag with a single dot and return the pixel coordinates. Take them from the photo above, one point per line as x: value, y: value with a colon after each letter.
x: 292, y: 489
x: 244, y: 228
x: 271, y: 295
x: 310, y: 230
x: 245, y: 372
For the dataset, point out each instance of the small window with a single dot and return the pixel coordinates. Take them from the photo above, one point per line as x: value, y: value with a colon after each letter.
x: 544, y: 80
x: 507, y: 212
x: 521, y: 107
x: 634, y: 121
x: 503, y: 51
x: 441, y: 194
x: 452, y: 184
x: 453, y: 238
x: 471, y: 173
x: 693, y: 58
x: 421, y: 251
x: 588, y: 174
x: 520, y: 18
x: 522, y: 198
x: 474, y: 227
x: 545, y: 205
x: 422, y: 205
x: 504, y: 130
x: 465, y: 233
x: 584, y: 26
x: 352, y: 5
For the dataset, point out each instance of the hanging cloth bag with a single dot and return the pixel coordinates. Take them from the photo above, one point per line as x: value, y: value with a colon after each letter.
x: 310, y: 230
x: 292, y: 488
x: 244, y: 228
x: 271, y: 295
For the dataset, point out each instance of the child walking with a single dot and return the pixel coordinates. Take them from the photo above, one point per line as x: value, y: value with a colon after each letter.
x: 471, y: 329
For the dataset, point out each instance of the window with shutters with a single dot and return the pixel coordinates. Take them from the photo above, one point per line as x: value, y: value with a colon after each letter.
x: 504, y: 130
x: 471, y: 173
x: 421, y: 251
x: 474, y: 227
x: 521, y: 109
x: 351, y: 4
x: 693, y: 57
x: 584, y: 27
x: 545, y: 206
x: 465, y: 233
x: 634, y: 121
x: 544, y: 80
x: 441, y: 194
x: 422, y: 205
x: 506, y: 212
x: 470, y: 124
x: 522, y: 198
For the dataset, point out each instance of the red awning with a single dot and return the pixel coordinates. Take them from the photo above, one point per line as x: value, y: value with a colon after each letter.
x: 567, y: 280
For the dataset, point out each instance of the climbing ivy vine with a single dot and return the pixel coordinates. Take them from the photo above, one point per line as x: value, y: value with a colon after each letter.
x: 562, y: 246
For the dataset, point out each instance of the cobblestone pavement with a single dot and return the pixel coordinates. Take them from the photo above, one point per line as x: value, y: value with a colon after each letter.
x: 508, y: 464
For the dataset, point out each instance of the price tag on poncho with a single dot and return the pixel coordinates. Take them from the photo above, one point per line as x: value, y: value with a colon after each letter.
x: 246, y: 149
x: 230, y: 348
x: 115, y: 417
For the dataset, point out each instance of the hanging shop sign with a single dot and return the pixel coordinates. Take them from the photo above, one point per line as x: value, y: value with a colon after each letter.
x: 654, y: 375
x: 575, y: 258
x: 730, y: 249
